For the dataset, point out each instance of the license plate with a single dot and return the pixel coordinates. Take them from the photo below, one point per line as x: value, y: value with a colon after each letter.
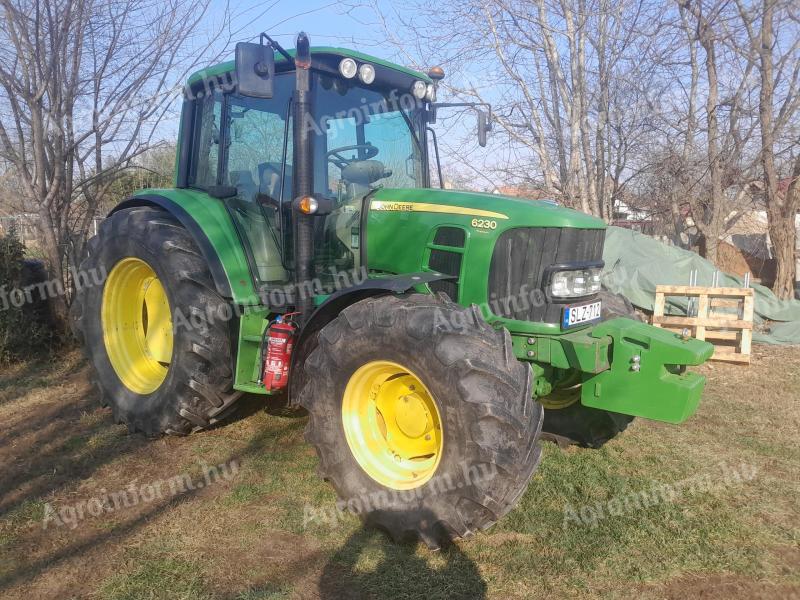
x: 578, y: 315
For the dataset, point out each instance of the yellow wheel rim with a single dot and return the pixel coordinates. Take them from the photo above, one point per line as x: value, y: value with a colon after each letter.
x: 137, y: 325
x: 561, y: 398
x: 392, y: 425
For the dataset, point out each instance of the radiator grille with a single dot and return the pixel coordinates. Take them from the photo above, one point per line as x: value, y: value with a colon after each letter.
x: 448, y: 263
x: 521, y: 257
x: 449, y: 236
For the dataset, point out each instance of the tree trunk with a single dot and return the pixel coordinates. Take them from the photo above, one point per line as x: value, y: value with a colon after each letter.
x: 715, y: 218
x: 57, y: 299
x: 710, y: 247
x: 780, y: 210
x: 783, y: 235
x: 678, y: 220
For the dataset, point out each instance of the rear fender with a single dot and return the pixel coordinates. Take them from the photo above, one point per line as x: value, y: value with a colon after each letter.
x: 210, y: 225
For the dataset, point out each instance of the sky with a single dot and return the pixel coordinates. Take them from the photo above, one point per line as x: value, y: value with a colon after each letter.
x: 326, y: 23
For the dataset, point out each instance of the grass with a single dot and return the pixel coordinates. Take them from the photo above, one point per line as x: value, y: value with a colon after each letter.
x: 272, y: 531
x: 267, y: 592
x: 157, y: 574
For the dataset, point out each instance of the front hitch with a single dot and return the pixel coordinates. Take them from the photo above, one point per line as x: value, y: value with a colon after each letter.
x: 647, y: 376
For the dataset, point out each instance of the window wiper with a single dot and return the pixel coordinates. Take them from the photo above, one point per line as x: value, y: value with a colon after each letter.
x: 276, y: 46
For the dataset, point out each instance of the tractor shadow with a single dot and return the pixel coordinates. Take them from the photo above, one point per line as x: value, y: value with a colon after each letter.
x: 370, y: 565
x: 67, y: 437
x: 251, y: 404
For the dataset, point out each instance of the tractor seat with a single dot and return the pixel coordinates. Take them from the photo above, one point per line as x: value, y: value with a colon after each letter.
x: 245, y: 185
x: 266, y: 185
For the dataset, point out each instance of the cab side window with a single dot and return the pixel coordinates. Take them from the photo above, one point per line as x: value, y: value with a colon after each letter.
x: 255, y: 150
x: 204, y: 171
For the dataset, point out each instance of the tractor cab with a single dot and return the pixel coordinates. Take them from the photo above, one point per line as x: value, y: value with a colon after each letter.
x: 365, y: 127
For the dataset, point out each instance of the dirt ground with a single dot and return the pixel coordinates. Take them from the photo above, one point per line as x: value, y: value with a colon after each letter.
x: 89, y: 511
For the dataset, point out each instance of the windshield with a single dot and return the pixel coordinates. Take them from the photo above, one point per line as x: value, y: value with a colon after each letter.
x: 366, y: 138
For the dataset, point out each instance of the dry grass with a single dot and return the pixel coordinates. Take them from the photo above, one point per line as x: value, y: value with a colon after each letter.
x: 245, y: 537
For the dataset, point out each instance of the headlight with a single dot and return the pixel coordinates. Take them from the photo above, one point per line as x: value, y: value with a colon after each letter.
x: 573, y: 284
x: 348, y: 68
x: 366, y: 73
x: 419, y: 89
x: 430, y: 93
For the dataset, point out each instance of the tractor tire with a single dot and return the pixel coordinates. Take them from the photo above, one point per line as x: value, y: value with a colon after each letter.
x: 153, y: 326
x: 481, y: 419
x: 566, y: 420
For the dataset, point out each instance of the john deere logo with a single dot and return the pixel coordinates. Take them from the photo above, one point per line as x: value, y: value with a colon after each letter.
x: 393, y: 206
x: 434, y: 208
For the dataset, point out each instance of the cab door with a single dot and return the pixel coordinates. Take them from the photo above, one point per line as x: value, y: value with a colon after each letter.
x: 245, y: 144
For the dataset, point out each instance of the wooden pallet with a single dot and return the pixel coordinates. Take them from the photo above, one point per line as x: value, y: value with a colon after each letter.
x: 731, y: 333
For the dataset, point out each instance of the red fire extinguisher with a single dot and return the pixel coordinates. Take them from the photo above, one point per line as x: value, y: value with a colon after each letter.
x: 280, y: 341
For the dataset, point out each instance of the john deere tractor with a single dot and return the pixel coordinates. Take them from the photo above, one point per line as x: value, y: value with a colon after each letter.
x: 431, y: 335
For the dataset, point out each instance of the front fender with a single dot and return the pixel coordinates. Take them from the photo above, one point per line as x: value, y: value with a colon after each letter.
x: 336, y: 303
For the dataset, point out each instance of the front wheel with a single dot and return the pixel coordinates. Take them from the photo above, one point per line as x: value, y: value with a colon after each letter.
x: 421, y: 416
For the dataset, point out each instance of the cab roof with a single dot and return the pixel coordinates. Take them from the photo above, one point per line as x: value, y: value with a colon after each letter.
x: 229, y: 66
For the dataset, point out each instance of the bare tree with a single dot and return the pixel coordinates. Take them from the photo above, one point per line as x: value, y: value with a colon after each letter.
x: 713, y: 119
x: 565, y: 76
x: 85, y: 87
x: 597, y: 100
x: 776, y: 53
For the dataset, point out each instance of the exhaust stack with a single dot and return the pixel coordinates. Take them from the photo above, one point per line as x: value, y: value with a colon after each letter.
x: 303, y: 175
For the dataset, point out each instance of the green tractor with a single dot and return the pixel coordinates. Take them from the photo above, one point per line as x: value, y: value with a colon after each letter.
x: 433, y: 336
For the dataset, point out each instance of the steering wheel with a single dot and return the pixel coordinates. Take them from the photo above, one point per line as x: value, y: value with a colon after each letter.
x: 335, y: 155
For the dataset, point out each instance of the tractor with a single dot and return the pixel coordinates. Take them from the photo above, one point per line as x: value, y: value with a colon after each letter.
x: 432, y: 336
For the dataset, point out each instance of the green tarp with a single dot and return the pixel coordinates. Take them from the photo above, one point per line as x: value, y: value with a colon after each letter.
x: 636, y: 263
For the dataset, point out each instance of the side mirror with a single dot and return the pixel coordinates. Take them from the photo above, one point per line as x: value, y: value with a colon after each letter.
x: 483, y: 126
x: 255, y: 70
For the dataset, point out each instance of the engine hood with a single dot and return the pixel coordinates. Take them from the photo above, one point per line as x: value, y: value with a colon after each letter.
x: 507, y: 211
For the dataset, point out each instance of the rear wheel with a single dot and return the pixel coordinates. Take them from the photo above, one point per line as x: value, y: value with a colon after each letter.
x: 154, y: 327
x: 421, y: 416
x: 566, y: 420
